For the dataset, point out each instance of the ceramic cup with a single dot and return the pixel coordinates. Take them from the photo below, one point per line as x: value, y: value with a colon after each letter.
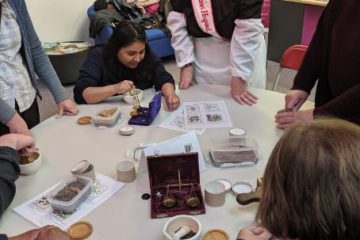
x: 126, y: 171
x: 84, y: 168
x: 130, y: 98
x: 31, y: 164
x: 181, y: 225
x: 215, y: 194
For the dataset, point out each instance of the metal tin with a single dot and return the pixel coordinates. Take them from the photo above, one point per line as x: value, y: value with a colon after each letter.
x: 216, y: 234
x: 241, y: 187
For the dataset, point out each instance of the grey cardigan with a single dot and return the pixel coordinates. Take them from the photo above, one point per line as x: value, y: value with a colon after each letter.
x: 35, y: 60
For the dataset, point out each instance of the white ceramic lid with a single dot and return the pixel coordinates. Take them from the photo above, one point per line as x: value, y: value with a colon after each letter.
x: 241, y: 187
x: 80, y: 166
x: 237, y: 132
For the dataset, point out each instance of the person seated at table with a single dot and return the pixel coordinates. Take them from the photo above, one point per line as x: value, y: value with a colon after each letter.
x: 125, y: 62
x: 333, y: 62
x: 10, y: 144
x: 311, y: 184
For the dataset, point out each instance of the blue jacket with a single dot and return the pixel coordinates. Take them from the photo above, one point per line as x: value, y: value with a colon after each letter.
x: 35, y: 60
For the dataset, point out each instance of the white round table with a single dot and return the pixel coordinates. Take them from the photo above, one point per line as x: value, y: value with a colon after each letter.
x: 125, y: 215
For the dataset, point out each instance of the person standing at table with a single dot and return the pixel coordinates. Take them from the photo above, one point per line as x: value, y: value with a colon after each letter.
x: 220, y: 42
x: 333, y: 62
x: 311, y: 184
x: 10, y: 144
x: 124, y: 62
x: 22, y: 59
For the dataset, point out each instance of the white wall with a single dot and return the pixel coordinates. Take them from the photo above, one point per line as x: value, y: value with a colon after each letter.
x: 60, y: 20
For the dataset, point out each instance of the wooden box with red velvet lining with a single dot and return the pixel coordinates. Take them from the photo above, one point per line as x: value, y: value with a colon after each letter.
x: 175, y: 185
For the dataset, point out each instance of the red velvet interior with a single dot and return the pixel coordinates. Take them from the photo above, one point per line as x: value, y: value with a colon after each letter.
x: 163, y: 171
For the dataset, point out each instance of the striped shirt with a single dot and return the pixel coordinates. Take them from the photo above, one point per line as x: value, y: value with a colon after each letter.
x: 15, y: 82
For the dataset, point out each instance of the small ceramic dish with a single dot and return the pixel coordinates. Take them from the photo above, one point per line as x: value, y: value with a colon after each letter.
x: 31, y: 164
x: 129, y: 96
x: 173, y: 225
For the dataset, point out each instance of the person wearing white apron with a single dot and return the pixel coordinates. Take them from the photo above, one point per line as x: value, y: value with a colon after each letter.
x: 220, y: 42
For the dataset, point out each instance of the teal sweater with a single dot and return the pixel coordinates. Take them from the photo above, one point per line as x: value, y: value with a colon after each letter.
x: 35, y: 60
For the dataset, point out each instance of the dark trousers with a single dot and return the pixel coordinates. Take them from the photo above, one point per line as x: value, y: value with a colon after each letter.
x: 31, y: 116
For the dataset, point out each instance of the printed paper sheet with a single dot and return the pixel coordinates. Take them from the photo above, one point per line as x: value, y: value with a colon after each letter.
x: 176, y: 122
x: 187, y: 142
x: 39, y: 211
x: 210, y: 114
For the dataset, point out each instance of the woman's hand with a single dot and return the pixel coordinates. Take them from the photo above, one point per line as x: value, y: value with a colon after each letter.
x: 285, y: 120
x: 186, y: 75
x: 67, y: 107
x: 172, y: 101
x: 53, y: 233
x: 240, y: 92
x: 17, y: 142
x: 29, y: 235
x: 44, y: 233
x: 295, y: 99
x: 17, y: 125
x: 254, y: 233
x: 123, y: 87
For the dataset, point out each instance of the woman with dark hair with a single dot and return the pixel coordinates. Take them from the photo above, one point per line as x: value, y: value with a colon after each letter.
x: 124, y: 62
x: 311, y: 184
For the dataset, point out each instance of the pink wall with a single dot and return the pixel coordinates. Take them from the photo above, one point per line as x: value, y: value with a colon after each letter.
x: 311, y: 17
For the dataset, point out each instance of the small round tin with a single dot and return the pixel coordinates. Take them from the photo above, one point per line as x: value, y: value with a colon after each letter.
x: 241, y: 187
x: 127, y: 131
x: 80, y: 230
x: 216, y: 234
x: 237, y: 132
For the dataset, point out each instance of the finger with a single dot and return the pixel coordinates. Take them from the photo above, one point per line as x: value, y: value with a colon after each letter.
x: 183, y: 84
x: 265, y: 235
x: 238, y: 99
x: 290, y: 102
x: 258, y: 230
x: 285, y: 120
x: 60, y: 113
x: 284, y: 126
x: 170, y: 105
x: 27, y: 151
x: 175, y: 104
x: 71, y: 112
x: 284, y: 114
x: 246, y: 99
x: 252, y: 96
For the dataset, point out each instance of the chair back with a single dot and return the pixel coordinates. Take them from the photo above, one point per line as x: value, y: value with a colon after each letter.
x: 293, y: 57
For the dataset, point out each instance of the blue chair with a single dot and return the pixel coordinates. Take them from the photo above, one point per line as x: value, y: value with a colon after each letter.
x: 158, y: 41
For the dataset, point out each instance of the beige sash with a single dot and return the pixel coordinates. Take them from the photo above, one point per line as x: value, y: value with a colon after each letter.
x: 204, y: 16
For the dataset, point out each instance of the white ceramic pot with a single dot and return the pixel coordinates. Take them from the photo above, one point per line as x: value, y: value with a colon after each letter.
x: 130, y: 98
x: 34, y: 166
x: 177, y: 222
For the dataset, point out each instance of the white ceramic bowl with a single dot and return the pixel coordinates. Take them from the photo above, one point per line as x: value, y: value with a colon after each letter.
x: 176, y: 222
x: 129, y: 98
x: 34, y: 166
